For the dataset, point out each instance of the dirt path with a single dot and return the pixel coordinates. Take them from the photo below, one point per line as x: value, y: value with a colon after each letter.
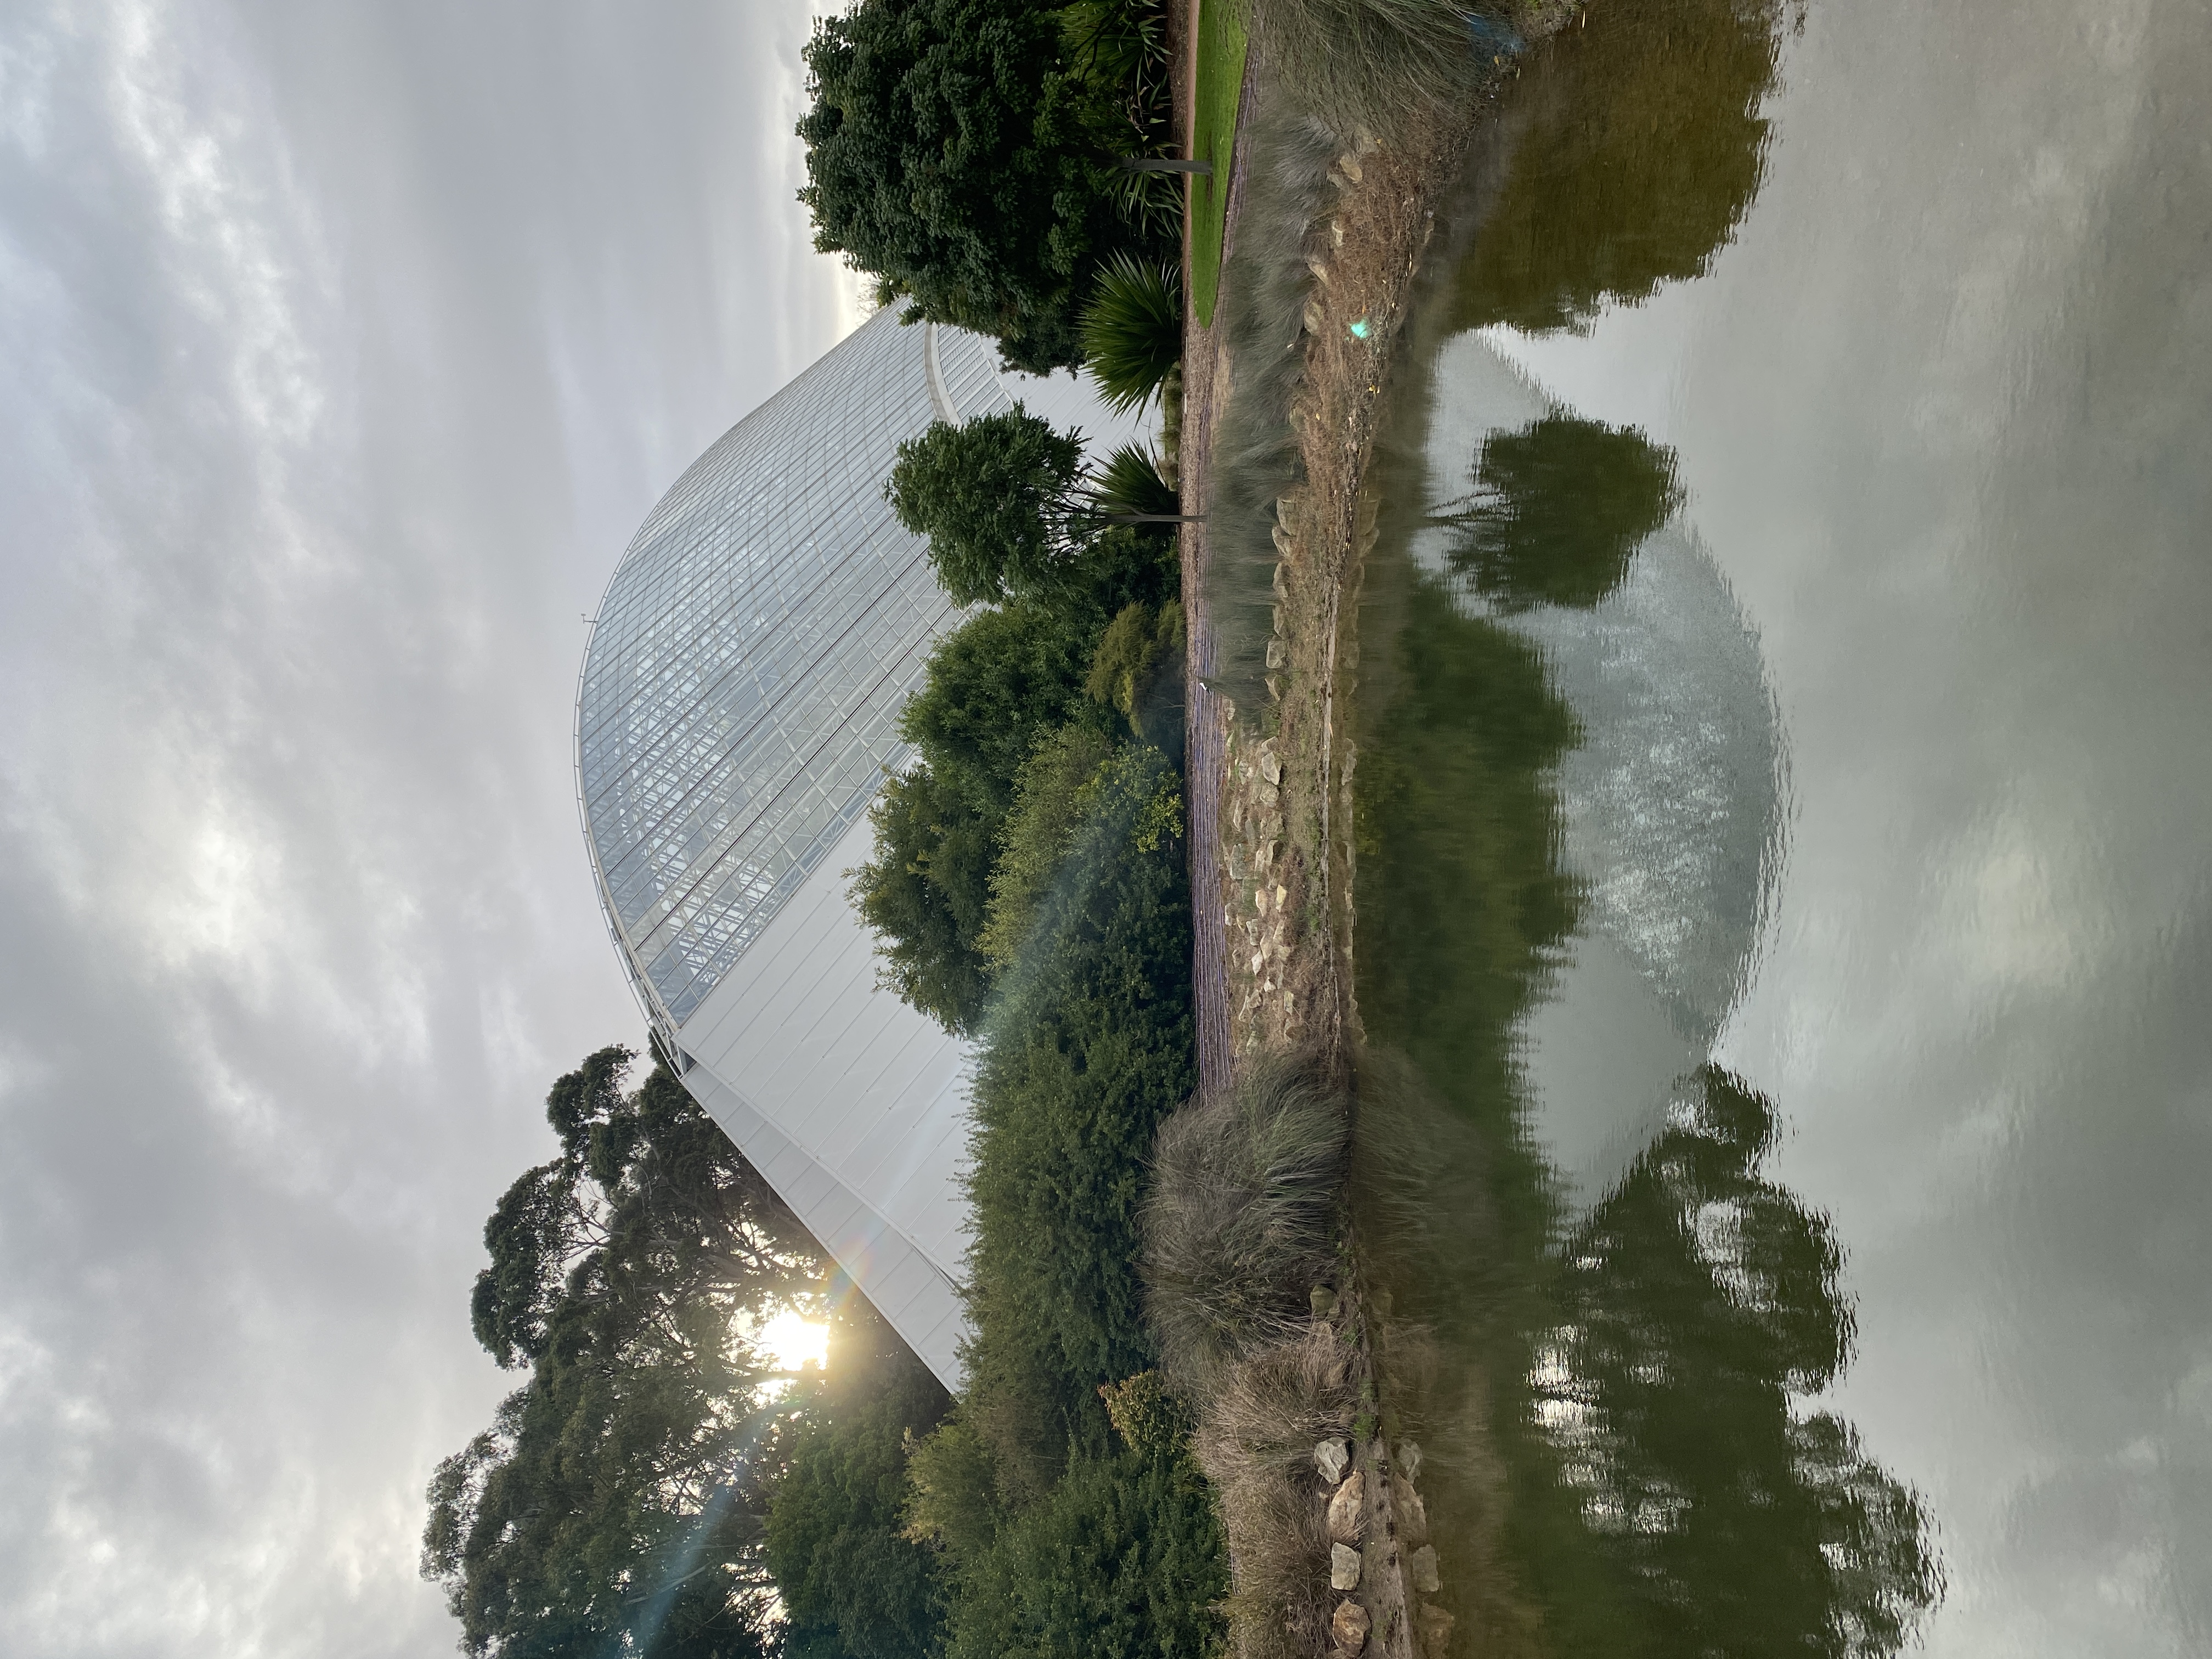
x: 1206, y: 369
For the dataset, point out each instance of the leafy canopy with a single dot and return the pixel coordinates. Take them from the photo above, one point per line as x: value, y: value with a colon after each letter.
x: 963, y: 152
x: 616, y: 1499
x: 992, y: 495
x: 998, y: 686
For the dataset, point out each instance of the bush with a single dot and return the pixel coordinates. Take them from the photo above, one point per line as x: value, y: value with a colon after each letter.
x: 996, y: 687
x: 1132, y: 329
x: 1131, y: 483
x: 1377, y: 64
x: 1053, y: 795
x: 1137, y: 672
x: 1123, y: 1561
x: 1090, y: 1047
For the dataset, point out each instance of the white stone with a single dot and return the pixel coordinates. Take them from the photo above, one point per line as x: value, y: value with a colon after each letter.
x: 1344, y: 1567
x: 1344, y: 1515
x: 1329, y: 1457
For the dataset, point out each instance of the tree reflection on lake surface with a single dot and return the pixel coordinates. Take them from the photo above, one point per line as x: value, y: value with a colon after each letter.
x: 1619, y: 1458
x: 1637, y: 145
x: 1603, y: 1321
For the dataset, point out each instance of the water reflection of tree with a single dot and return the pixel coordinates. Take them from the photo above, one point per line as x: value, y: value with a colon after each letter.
x: 1638, y: 145
x: 1616, y: 1465
x: 1694, y: 1302
x: 1560, y: 508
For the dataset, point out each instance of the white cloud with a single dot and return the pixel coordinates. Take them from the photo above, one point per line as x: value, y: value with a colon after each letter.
x: 300, y: 928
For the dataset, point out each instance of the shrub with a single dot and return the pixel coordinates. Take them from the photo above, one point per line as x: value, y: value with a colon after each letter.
x: 1088, y: 1048
x: 996, y: 687
x: 1123, y: 1560
x: 1132, y: 329
x: 1137, y: 670
x: 1052, y: 794
x: 1130, y: 484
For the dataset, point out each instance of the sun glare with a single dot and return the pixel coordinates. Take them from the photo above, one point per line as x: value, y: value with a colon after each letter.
x: 792, y: 1341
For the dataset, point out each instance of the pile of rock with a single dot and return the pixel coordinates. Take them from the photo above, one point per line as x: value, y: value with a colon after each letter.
x: 1380, y: 1560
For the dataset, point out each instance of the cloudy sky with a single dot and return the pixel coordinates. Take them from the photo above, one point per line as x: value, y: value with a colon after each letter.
x: 341, y: 349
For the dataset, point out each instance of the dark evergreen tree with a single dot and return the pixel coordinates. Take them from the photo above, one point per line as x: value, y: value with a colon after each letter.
x: 962, y: 152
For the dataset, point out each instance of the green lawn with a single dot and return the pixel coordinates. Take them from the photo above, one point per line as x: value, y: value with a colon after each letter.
x: 1221, y: 79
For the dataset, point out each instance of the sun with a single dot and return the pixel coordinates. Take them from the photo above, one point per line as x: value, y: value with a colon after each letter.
x: 792, y: 1340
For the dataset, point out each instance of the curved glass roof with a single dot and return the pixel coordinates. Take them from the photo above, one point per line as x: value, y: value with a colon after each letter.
x: 742, y: 686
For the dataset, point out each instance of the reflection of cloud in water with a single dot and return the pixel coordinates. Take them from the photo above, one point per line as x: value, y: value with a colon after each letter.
x: 1671, y: 805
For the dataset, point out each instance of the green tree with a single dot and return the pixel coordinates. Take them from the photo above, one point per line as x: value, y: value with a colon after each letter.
x: 926, y: 892
x: 853, y: 1585
x: 613, y: 1500
x: 1560, y: 507
x: 994, y: 496
x: 959, y: 151
x: 1053, y: 797
x: 996, y: 688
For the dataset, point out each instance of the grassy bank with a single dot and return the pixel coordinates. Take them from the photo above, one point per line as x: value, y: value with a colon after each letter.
x: 1220, y: 86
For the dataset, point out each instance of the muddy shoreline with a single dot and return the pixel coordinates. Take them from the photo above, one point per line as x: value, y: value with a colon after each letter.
x: 1270, y: 788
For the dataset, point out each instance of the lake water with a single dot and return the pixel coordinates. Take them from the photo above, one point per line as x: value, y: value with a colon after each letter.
x: 1785, y: 839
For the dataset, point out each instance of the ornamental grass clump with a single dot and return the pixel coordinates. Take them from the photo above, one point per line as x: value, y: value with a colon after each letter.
x: 1242, y: 1248
x: 1374, y: 65
x: 1132, y: 329
x: 1240, y: 1223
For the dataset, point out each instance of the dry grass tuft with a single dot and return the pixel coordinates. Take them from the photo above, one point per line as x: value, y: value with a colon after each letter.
x: 1256, y: 1441
x: 1378, y: 64
x: 1240, y: 1226
x: 1255, y: 448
